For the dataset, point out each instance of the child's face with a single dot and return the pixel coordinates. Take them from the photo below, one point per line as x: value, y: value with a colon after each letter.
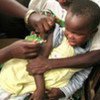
x: 77, y: 31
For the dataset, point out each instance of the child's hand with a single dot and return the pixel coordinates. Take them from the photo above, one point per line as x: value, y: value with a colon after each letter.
x: 37, y: 66
x: 37, y: 95
x: 31, y: 97
x: 54, y: 94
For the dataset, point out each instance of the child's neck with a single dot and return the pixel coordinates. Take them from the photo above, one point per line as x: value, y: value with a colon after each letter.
x: 84, y: 45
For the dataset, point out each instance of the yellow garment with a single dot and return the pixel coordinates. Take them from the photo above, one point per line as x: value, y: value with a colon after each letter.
x: 15, y: 79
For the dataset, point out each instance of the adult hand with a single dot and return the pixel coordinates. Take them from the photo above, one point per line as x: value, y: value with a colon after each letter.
x: 23, y: 49
x: 38, y: 65
x: 41, y: 23
x: 54, y: 94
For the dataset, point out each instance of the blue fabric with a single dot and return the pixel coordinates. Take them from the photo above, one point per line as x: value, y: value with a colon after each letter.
x: 57, y: 36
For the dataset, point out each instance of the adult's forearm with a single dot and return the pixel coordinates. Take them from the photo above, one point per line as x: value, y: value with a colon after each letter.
x: 4, y: 55
x: 80, y: 61
x: 12, y: 7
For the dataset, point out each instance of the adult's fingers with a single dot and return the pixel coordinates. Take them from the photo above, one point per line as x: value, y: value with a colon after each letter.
x: 32, y: 44
x: 45, y: 25
x: 31, y: 55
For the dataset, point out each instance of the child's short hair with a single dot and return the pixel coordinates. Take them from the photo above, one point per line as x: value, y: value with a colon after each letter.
x: 88, y: 9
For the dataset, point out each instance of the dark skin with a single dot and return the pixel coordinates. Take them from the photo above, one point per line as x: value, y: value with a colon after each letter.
x: 42, y: 23
x: 36, y: 21
x: 19, y: 49
x: 39, y: 93
x: 74, y: 28
x: 54, y: 94
x: 69, y: 62
x: 77, y: 26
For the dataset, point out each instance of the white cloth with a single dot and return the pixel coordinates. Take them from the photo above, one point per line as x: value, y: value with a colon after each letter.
x: 52, y: 5
x: 37, y: 4
x: 96, y: 40
x: 97, y: 2
x: 6, y: 95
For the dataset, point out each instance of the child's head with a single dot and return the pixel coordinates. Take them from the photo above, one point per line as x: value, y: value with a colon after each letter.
x: 82, y: 20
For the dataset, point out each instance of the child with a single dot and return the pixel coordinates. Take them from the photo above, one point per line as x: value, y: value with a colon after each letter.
x: 76, y: 36
x: 80, y: 26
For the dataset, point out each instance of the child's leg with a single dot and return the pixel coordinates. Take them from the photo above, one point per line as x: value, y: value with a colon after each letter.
x: 40, y: 88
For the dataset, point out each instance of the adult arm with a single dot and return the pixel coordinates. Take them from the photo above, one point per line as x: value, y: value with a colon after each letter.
x: 12, y: 7
x: 43, y: 54
x: 79, y: 61
x: 19, y: 49
x: 37, y: 21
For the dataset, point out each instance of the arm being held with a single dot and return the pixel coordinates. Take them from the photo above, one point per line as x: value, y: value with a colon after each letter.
x: 39, y: 79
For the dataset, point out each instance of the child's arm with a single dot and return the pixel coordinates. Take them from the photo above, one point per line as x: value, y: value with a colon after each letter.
x: 47, y: 46
x: 39, y: 79
x: 40, y: 88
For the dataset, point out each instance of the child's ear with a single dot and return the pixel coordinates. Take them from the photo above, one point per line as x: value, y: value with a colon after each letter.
x: 95, y: 30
